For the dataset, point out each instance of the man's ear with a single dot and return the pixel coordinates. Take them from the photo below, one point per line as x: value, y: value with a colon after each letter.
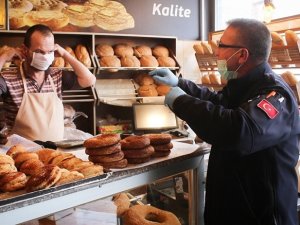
x: 244, y: 55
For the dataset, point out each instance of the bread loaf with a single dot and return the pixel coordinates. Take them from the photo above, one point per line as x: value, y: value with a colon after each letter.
x: 206, y: 48
x: 215, y: 79
x: 104, y: 50
x: 277, y: 40
x: 289, y: 78
x: 198, y: 49
x: 82, y: 55
x: 291, y: 38
x: 70, y: 50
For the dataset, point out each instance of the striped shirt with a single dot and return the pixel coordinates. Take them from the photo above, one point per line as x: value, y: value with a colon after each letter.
x: 13, y: 97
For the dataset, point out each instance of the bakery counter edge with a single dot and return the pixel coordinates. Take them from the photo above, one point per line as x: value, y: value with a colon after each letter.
x: 45, y: 202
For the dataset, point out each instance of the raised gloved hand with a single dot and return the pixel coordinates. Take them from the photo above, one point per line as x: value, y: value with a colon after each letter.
x: 164, y: 76
x: 174, y: 93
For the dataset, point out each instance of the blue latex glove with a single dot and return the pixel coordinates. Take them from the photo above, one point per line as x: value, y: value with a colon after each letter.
x: 174, y: 93
x: 164, y: 76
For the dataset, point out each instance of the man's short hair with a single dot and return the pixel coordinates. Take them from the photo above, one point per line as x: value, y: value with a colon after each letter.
x: 46, y: 31
x: 253, y: 35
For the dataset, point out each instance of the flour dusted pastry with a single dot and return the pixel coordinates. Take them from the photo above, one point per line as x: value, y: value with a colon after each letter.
x: 148, y: 61
x: 141, y: 50
x: 166, y: 61
x: 130, y: 61
x: 54, y: 5
x: 17, y: 9
x: 82, y: 55
x: 112, y: 16
x: 104, y: 50
x: 160, y: 50
x: 80, y: 15
x: 53, y: 19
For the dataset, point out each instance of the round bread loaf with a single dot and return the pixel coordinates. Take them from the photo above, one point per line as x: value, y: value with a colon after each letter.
x: 110, y: 61
x: 130, y: 61
x: 147, y: 91
x: 289, y: 78
x: 166, y: 61
x: 148, y: 61
x: 144, y: 79
x: 198, y: 49
x: 104, y: 50
x: 214, y: 78
x: 160, y: 50
x: 141, y: 50
x: 122, y: 50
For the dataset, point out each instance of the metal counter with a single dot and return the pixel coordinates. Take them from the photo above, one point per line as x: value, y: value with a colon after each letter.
x: 48, y: 201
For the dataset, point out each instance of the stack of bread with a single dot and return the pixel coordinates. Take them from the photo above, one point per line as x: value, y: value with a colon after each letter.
x: 125, y: 55
x: 105, y: 149
x: 148, y: 87
x: 212, y: 78
x: 161, y: 143
x: 137, y: 149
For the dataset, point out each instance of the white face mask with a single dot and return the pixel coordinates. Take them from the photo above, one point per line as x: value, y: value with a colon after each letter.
x: 224, y: 72
x: 42, y: 61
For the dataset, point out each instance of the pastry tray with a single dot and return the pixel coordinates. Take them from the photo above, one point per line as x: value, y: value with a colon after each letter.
x: 49, y: 193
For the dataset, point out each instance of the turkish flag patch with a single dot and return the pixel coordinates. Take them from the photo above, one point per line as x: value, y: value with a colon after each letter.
x: 268, y: 108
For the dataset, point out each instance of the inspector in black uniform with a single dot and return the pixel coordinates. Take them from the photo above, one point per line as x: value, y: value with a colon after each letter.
x: 253, y: 126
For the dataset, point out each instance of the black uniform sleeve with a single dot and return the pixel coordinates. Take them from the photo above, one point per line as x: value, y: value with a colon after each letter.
x: 246, y: 129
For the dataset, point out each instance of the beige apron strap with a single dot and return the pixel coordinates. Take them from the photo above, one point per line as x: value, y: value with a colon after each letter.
x: 23, y: 77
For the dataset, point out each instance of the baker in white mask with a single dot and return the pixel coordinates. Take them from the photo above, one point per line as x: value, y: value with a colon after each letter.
x: 32, y: 94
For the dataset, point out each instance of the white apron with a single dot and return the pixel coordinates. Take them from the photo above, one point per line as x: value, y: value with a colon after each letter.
x: 40, y: 116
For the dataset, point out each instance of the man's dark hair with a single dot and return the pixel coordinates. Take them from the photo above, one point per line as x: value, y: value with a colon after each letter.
x: 46, y: 31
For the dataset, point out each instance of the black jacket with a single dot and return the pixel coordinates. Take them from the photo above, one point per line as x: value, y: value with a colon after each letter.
x: 251, y: 178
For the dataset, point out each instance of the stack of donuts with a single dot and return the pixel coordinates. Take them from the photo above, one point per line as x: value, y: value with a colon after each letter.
x: 105, y: 149
x: 161, y: 143
x: 137, y: 149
